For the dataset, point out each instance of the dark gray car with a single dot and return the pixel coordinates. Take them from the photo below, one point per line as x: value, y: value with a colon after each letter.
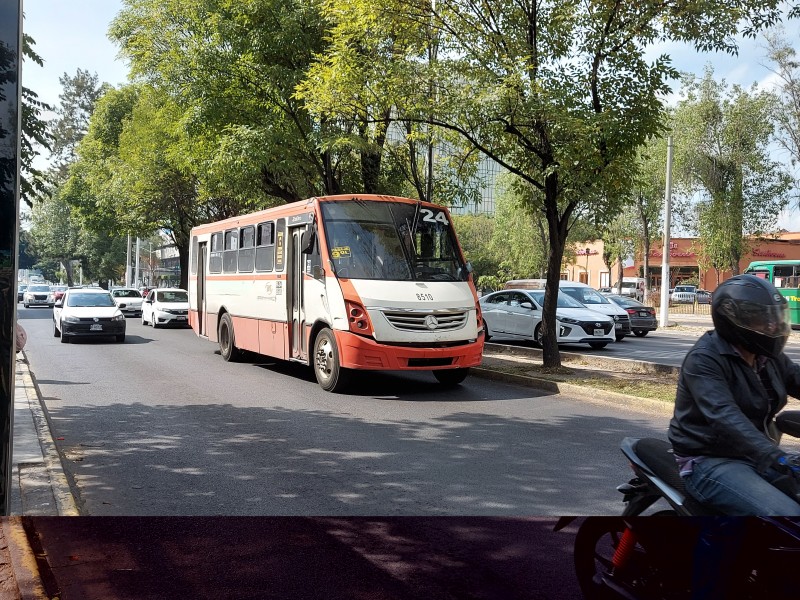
x: 643, y: 317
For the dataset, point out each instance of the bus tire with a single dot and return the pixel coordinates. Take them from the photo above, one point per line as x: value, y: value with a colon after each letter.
x: 227, y: 340
x: 451, y: 377
x: 331, y: 376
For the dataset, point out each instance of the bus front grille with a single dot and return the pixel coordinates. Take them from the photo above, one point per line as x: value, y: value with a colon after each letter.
x: 414, y: 320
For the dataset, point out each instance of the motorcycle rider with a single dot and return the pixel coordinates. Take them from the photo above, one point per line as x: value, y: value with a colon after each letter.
x: 732, y: 383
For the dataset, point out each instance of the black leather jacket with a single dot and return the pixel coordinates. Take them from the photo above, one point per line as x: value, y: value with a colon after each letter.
x: 722, y: 407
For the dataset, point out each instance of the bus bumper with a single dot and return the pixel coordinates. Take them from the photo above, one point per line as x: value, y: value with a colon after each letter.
x: 356, y: 352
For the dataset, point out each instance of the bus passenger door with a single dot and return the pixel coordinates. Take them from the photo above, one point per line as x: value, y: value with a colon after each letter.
x: 202, y: 253
x: 297, y: 318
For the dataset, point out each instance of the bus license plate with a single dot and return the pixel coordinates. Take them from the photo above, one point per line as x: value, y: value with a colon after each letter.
x: 96, y: 327
x: 599, y: 333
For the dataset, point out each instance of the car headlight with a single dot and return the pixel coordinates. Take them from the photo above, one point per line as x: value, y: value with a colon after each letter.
x: 118, y: 318
x: 72, y: 319
x: 569, y: 320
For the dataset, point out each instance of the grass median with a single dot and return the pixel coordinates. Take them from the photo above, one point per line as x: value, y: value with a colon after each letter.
x: 643, y: 385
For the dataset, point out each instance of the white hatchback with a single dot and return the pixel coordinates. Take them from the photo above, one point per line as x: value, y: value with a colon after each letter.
x: 166, y: 306
x: 518, y: 314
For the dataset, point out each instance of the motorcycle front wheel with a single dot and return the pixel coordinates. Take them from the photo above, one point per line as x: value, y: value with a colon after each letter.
x: 596, y: 543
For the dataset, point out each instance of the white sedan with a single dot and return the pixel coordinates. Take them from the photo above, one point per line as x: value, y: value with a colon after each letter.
x: 518, y: 314
x: 87, y: 312
x: 129, y: 300
x: 166, y: 306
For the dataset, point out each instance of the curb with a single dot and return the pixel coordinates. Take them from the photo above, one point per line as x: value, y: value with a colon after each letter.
x: 53, y: 470
x: 583, y: 393
x: 24, y: 563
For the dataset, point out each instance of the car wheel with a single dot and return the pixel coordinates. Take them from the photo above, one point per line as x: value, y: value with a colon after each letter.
x: 537, y: 335
x: 144, y: 321
x: 451, y: 377
x: 486, y: 336
x: 640, y: 333
x: 227, y: 339
x: 64, y: 338
x: 620, y: 337
x: 56, y: 332
x: 153, y: 323
x: 25, y: 305
x: 120, y: 338
x: 330, y: 375
x: 598, y: 345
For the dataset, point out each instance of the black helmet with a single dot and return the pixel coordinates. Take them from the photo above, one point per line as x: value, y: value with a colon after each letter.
x: 749, y: 312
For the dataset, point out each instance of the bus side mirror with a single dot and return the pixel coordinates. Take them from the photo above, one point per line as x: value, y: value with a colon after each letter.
x: 307, y: 241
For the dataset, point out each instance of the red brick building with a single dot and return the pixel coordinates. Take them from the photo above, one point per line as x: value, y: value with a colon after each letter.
x: 683, y: 262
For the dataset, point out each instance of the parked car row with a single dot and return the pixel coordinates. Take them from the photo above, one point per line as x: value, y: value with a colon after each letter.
x: 583, y: 315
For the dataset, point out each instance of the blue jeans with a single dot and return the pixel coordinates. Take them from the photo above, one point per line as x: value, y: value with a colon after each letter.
x: 735, y: 488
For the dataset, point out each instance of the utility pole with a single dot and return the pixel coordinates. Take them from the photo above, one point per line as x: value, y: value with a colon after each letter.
x: 128, y: 263
x: 433, y: 50
x: 136, y: 279
x: 664, y: 315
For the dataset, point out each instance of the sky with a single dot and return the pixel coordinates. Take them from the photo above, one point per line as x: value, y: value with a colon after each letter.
x: 72, y: 34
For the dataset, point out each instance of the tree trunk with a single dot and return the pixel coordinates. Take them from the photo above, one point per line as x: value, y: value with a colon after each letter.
x: 551, y: 358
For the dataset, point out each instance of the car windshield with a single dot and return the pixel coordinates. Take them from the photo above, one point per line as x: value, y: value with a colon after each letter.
x: 563, y: 301
x: 172, y: 296
x: 586, y: 296
x: 38, y: 288
x: 99, y: 300
x: 126, y: 294
x: 392, y: 241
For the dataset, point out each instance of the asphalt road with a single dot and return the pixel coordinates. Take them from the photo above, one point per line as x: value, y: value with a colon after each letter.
x: 161, y: 425
x: 317, y: 558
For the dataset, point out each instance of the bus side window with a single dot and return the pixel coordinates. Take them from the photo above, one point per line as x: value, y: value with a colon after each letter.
x: 230, y: 253
x: 193, y: 253
x: 247, y: 251
x: 215, y: 256
x: 265, y: 246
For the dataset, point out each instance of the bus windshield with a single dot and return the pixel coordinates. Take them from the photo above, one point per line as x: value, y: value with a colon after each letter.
x: 391, y: 241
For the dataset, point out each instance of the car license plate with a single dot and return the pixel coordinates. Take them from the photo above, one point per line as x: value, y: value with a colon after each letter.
x: 642, y: 313
x: 599, y: 333
x: 96, y: 327
x: 181, y: 318
x: 617, y: 325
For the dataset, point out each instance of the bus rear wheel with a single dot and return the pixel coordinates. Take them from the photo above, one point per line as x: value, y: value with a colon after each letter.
x: 451, y: 377
x: 227, y: 340
x: 331, y: 376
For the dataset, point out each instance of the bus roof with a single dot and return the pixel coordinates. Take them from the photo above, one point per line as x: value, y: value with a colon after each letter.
x: 766, y: 263
x: 300, y: 206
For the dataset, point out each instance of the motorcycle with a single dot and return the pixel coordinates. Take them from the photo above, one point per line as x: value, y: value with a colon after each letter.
x: 643, y: 557
x: 652, y: 558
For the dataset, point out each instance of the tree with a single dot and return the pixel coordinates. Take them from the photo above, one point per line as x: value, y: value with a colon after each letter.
x: 723, y: 136
x: 54, y: 232
x: 34, y: 133
x: 787, y: 68
x: 557, y: 92
x: 648, y: 201
x: 232, y: 68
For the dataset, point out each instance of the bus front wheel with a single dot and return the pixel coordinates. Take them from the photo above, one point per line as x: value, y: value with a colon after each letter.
x: 227, y: 341
x: 330, y: 375
x: 451, y: 377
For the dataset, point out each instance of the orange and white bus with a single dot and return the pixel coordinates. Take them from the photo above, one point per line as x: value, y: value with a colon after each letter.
x: 340, y: 283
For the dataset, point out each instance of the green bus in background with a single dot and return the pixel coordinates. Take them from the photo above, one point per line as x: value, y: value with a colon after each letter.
x: 784, y: 275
